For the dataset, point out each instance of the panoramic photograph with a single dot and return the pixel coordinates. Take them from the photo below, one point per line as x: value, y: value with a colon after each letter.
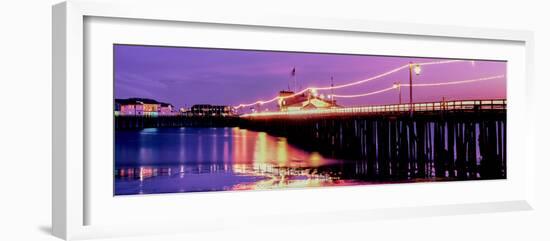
x: 190, y: 119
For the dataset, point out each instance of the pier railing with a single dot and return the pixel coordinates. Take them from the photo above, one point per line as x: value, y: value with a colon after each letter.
x: 455, y: 105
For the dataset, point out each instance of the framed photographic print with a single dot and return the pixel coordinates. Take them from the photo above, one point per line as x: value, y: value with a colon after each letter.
x: 202, y: 119
x: 172, y: 112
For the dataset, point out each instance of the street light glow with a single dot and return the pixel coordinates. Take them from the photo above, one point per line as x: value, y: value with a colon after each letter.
x: 417, y: 69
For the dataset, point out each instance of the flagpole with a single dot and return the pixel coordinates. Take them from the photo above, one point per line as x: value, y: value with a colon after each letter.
x: 288, y: 85
x: 294, y: 75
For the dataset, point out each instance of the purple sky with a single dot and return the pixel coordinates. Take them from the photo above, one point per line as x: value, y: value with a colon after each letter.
x: 187, y: 76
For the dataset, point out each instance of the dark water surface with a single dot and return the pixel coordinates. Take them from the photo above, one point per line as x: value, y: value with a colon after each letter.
x: 172, y: 160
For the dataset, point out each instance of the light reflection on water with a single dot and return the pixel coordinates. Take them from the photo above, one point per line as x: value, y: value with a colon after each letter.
x: 215, y: 159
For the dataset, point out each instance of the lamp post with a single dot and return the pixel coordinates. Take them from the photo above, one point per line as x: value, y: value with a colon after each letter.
x: 398, y: 86
x: 417, y: 70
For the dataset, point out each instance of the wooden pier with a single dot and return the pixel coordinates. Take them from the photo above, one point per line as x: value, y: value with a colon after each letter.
x: 462, y: 140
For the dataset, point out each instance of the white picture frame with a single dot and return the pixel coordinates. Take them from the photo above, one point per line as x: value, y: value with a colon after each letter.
x: 71, y: 191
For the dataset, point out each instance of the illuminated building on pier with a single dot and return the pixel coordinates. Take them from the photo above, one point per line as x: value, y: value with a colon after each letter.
x: 306, y: 101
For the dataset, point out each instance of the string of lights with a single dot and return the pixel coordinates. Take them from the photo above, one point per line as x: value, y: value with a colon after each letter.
x: 366, y: 94
x: 261, y: 102
x: 421, y: 85
x: 455, y: 82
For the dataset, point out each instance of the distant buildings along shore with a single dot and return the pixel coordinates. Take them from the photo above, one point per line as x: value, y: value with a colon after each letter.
x: 153, y: 108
